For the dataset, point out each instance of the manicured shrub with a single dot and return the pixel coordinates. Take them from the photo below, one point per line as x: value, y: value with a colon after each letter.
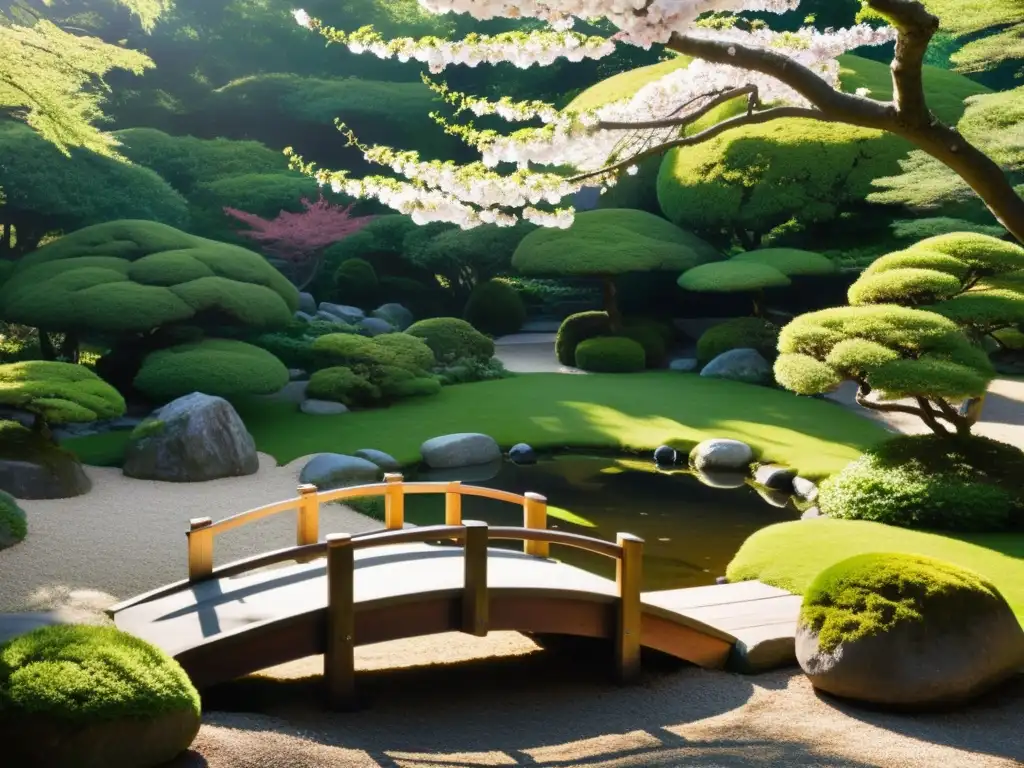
x: 954, y: 483
x: 577, y: 328
x: 356, y: 283
x: 732, y: 276
x: 651, y: 339
x: 58, y: 393
x: 495, y: 308
x: 471, y: 369
x: 397, y: 383
x: 412, y: 350
x: 12, y: 521
x: 608, y: 354
x: 738, y: 333
x: 789, y: 261
x: 217, y: 367
x: 904, y: 286
x: 452, y: 339
x: 342, y: 385
x: 93, y: 697
x: 294, y: 352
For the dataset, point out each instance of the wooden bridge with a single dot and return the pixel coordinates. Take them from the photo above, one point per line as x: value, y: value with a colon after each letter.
x: 225, y: 622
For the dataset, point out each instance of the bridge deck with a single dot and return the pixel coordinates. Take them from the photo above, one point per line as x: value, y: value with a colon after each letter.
x: 389, y: 577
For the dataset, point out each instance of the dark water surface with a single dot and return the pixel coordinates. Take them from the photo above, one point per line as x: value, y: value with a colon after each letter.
x: 691, y: 531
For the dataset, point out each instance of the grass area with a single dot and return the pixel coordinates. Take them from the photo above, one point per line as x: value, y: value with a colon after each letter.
x: 635, y: 412
x: 791, y: 555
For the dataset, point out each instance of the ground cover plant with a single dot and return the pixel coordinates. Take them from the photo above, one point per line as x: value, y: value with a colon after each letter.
x: 791, y: 555
x: 637, y: 413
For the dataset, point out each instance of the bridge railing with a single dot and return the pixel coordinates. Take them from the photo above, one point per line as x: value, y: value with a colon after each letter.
x: 394, y: 489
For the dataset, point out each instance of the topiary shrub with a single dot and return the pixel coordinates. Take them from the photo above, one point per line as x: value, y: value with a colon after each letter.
x: 342, y: 385
x: 610, y: 354
x: 495, y: 308
x: 738, y: 333
x: 577, y: 328
x: 955, y: 483
x: 412, y: 350
x: 904, y: 630
x: 217, y: 367
x: 791, y: 262
x: 292, y: 351
x: 13, y: 526
x: 93, y: 697
x: 452, y: 339
x: 355, y: 283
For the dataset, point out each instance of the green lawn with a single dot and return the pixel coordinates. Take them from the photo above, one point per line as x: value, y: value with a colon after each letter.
x: 790, y: 555
x: 635, y: 412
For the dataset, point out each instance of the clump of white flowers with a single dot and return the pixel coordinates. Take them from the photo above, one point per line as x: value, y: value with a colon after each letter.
x: 598, y: 143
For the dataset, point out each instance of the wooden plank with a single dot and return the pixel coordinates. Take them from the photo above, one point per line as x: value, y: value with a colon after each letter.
x: 474, y: 591
x: 716, y: 594
x: 339, y: 652
x: 628, y: 577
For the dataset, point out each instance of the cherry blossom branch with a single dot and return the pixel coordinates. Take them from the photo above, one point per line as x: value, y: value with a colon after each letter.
x: 720, y: 98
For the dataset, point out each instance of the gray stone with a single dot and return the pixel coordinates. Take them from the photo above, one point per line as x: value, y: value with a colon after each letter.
x: 522, y: 454
x: 336, y: 470
x: 192, y: 439
x: 768, y: 648
x: 307, y: 303
x: 920, y: 663
x: 11, y: 515
x: 684, y: 365
x: 385, y: 461
x: 342, y: 312
x: 307, y: 316
x: 464, y: 449
x: 329, y: 318
x: 805, y: 489
x: 103, y: 426
x: 60, y: 477
x: 745, y: 365
x: 719, y: 479
x: 297, y: 374
x: 775, y: 477
x: 778, y: 499
x: 478, y: 473
x: 665, y: 456
x: 13, y: 414
x: 292, y: 392
x: 722, y: 454
x: 322, y: 407
x: 374, y: 326
x: 811, y: 513
x: 396, y: 314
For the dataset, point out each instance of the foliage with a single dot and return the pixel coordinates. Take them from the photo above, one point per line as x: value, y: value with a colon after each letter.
x: 992, y: 31
x: 756, y: 178
x: 871, y: 594
x: 946, y: 483
x: 650, y: 338
x: 732, y: 276
x: 791, y: 555
x: 472, y: 369
x: 355, y: 281
x: 18, y: 343
x: 44, y: 191
x: 393, y: 366
x: 411, y: 348
x: 576, y: 328
x: 90, y: 674
x: 217, y: 367
x: 298, y: 239
x: 495, y: 308
x: 13, y: 527
x: 53, y: 80
x: 611, y: 242
x: 452, y: 339
x: 920, y: 229
x: 58, y: 393
x: 131, y: 277
x: 789, y: 261
x: 738, y: 333
x: 342, y: 385
x: 609, y: 354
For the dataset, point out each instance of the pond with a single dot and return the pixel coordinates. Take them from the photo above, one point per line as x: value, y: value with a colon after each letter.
x: 691, y: 530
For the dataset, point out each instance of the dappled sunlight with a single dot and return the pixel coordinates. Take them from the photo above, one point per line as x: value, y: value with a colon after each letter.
x: 632, y: 431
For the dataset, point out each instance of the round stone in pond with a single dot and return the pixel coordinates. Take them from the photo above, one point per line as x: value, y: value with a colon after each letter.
x: 664, y: 456
x: 521, y: 453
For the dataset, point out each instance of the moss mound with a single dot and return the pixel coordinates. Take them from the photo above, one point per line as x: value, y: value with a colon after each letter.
x: 452, y: 339
x: 13, y: 526
x: 928, y: 482
x: 791, y: 262
x: 216, y: 367
x: 738, y: 333
x: 732, y: 276
x: 870, y: 594
x: 577, y: 328
x: 93, y: 697
x: 610, y: 354
x: 495, y: 308
x: 60, y: 393
x: 356, y: 283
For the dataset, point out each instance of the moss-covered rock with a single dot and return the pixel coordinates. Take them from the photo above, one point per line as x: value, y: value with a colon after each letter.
x: 13, y: 526
x: 93, y: 697
x: 34, y: 467
x: 218, y: 367
x: 906, y: 630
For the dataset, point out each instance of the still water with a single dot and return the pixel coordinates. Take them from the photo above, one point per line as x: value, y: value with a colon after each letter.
x: 691, y: 531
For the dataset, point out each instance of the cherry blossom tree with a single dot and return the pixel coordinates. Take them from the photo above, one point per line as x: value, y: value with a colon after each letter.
x: 780, y: 75
x: 295, y: 242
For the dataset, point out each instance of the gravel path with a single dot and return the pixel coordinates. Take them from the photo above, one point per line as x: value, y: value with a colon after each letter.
x: 455, y: 700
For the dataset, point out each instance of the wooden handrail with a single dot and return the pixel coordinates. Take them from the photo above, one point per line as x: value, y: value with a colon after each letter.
x: 394, y: 489
x: 598, y: 546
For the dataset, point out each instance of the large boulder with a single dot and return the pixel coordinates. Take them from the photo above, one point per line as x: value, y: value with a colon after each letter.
x: 906, y: 631
x: 194, y: 438
x: 465, y: 449
x: 395, y: 314
x: 374, y: 326
x: 57, y: 476
x: 720, y: 454
x: 745, y: 365
x: 385, y: 461
x: 336, y: 470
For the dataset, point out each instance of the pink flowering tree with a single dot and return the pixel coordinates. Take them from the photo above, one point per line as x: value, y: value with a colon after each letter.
x: 295, y: 242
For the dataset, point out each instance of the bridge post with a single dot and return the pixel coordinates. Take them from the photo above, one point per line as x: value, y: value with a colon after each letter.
x: 339, y: 655
x: 475, y: 599
x: 628, y: 577
x: 535, y: 515
x: 453, y: 504
x: 394, y: 501
x: 200, y: 548
x: 308, y: 523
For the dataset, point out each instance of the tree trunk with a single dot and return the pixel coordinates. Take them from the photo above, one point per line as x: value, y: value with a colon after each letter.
x: 611, y: 306
x: 46, y: 345
x: 69, y: 347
